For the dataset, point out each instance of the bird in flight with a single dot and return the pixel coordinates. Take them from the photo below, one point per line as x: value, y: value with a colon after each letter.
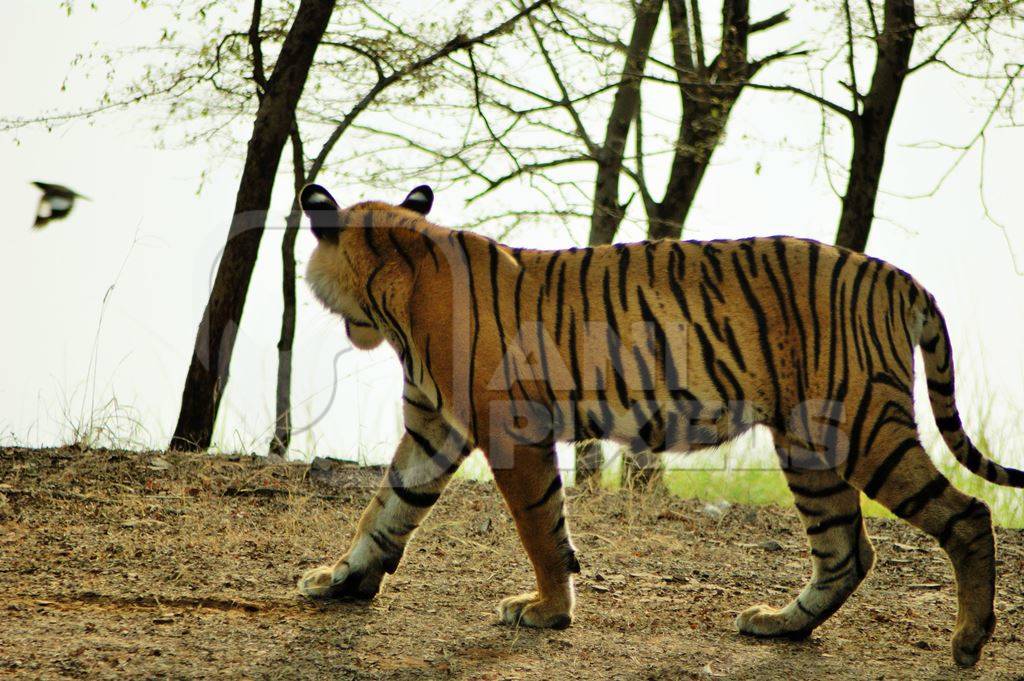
x: 55, y: 203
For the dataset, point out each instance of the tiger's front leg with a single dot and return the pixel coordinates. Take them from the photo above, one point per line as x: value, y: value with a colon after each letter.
x: 532, y: 488
x: 427, y: 456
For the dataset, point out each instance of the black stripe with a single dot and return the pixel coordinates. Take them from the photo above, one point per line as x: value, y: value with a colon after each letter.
x: 780, y: 255
x: 892, y: 381
x: 517, y: 298
x: 391, y: 550
x: 973, y: 509
x: 708, y: 355
x: 492, y: 251
x: 623, y: 273
x: 446, y: 464
x: 777, y: 289
x: 545, y: 373
x: 886, y: 468
x: 763, y: 338
x: 577, y: 376
x: 614, y: 348
x: 709, y: 311
x: 417, y: 499
x: 649, y: 253
x: 584, y: 268
x: 913, y: 504
x: 884, y: 419
x: 646, y: 380
x: 710, y: 252
x: 819, y: 492
x: 432, y: 249
x: 560, y: 303
x: 930, y: 345
x: 709, y: 282
x: 833, y: 293
x: 856, y: 430
x: 607, y: 417
x: 812, y: 276
x: 824, y: 584
x: 949, y: 424
x: 858, y: 279
x: 677, y: 262
x: 475, y: 335
x: 810, y: 513
x: 387, y: 545
x: 556, y: 484
x: 834, y: 521
x: 419, y: 405
x: 550, y: 270
x: 734, y: 347
x: 368, y: 233
x: 944, y: 389
x: 974, y: 459
x: 804, y: 609
x: 398, y: 248
x: 747, y: 247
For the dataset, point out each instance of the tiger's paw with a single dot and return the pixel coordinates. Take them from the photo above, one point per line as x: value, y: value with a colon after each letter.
x: 339, y: 581
x: 765, y: 621
x: 530, y: 610
x: 968, y: 642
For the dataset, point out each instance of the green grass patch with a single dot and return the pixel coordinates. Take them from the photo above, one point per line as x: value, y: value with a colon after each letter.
x: 746, y: 472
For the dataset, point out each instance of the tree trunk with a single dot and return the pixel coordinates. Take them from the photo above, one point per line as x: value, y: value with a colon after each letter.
x: 283, y: 425
x: 641, y: 469
x: 707, y: 97
x: 607, y: 213
x: 871, y: 126
x: 701, y: 130
x: 208, y: 372
x: 589, y: 457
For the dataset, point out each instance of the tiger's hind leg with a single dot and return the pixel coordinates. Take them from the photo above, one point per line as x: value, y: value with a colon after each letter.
x: 532, y: 487
x: 901, y: 476
x: 841, y: 555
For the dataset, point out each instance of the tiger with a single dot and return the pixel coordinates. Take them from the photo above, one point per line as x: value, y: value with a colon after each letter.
x: 665, y: 345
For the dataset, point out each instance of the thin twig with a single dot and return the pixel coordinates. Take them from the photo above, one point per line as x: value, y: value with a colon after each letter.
x: 258, y: 74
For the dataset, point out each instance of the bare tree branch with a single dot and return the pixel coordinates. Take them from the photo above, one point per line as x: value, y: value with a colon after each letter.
x: 698, y: 36
x: 770, y: 22
x: 855, y: 93
x: 818, y: 99
x: 259, y: 77
x: 457, y: 43
x: 566, y: 100
x: 934, y: 56
x: 528, y: 168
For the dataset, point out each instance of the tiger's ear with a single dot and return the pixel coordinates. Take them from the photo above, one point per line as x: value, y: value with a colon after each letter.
x: 419, y: 199
x: 322, y: 210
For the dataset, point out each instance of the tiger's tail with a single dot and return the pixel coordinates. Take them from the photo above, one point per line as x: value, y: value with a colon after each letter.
x: 938, y: 362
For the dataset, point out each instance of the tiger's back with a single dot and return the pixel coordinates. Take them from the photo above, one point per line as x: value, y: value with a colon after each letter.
x: 673, y: 345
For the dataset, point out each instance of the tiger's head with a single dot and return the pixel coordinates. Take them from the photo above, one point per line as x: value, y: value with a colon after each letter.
x: 349, y: 244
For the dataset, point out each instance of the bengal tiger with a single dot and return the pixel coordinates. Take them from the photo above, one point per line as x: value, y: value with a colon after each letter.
x: 667, y: 345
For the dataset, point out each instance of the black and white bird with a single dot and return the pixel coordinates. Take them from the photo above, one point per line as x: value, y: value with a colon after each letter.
x: 55, y: 203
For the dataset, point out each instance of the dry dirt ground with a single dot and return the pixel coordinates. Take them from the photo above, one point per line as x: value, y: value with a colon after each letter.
x: 167, y: 565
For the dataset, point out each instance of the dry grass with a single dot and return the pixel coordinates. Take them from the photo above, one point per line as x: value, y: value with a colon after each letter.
x: 160, y: 564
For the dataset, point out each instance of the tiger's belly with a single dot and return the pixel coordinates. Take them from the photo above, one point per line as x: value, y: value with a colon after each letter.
x: 659, y: 425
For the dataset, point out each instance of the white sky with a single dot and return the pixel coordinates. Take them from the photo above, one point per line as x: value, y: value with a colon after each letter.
x: 66, y: 355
